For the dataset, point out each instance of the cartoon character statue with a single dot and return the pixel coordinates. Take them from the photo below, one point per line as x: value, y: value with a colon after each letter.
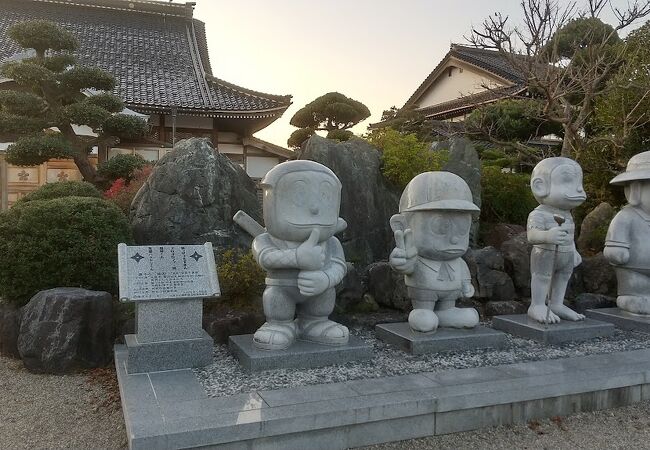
x: 432, y: 234
x: 627, y: 245
x: 303, y: 260
x: 557, y: 186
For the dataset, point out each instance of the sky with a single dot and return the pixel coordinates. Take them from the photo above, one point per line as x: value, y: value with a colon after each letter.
x: 375, y: 51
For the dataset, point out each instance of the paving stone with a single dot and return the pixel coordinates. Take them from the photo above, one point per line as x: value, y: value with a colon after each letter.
x: 565, y: 331
x: 443, y: 340
x: 168, y: 355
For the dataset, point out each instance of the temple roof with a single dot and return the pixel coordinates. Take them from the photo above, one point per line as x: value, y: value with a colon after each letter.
x: 156, y: 50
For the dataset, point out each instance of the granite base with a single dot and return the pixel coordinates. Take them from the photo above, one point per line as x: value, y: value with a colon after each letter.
x: 443, y: 340
x: 167, y: 355
x: 301, y: 354
x: 566, y: 331
x: 622, y: 319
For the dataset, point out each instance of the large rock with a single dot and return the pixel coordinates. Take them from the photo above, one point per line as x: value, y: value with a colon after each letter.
x: 349, y: 292
x: 587, y: 301
x: 464, y: 162
x: 598, y: 276
x: 64, y: 329
x: 191, y: 197
x: 502, y: 308
x: 501, y: 232
x: 387, y: 287
x: 368, y: 200
x: 9, y: 329
x: 516, y: 256
x: 594, y: 228
x: 490, y: 281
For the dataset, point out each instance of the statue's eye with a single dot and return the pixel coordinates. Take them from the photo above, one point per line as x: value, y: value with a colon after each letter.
x: 326, y: 191
x: 462, y: 224
x: 299, y: 193
x: 441, y: 225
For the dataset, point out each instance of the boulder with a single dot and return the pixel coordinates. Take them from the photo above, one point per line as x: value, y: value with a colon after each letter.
x: 10, y: 317
x: 490, y: 281
x: 387, y: 287
x: 368, y: 200
x: 501, y: 232
x: 501, y: 308
x: 594, y: 228
x: 222, y: 326
x: 516, y: 256
x: 349, y: 291
x: 598, y: 275
x: 587, y: 301
x: 64, y: 329
x: 464, y: 162
x: 191, y: 197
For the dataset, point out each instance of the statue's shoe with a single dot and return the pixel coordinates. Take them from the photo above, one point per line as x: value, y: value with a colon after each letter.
x: 634, y: 304
x: 458, y: 317
x: 322, y: 331
x: 423, y: 320
x: 275, y: 336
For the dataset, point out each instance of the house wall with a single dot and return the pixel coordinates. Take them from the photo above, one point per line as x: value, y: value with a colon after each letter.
x: 464, y: 80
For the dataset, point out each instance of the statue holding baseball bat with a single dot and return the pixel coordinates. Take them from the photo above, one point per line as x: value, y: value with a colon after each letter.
x: 431, y: 236
x: 557, y: 186
x: 303, y: 260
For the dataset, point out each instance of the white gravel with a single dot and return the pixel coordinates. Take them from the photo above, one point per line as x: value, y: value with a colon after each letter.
x: 226, y: 377
x: 58, y: 412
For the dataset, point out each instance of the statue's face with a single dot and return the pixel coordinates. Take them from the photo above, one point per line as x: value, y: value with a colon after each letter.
x: 440, y: 235
x: 300, y: 202
x: 566, y: 191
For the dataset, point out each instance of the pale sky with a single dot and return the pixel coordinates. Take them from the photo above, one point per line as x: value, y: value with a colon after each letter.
x: 375, y: 51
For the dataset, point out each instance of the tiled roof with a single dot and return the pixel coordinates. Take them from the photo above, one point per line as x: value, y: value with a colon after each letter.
x: 454, y: 107
x: 156, y: 51
x: 491, y: 61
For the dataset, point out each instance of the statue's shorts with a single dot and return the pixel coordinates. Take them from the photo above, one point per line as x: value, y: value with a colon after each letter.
x: 545, y: 262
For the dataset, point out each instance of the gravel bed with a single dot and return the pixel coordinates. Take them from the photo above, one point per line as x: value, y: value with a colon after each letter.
x: 226, y: 377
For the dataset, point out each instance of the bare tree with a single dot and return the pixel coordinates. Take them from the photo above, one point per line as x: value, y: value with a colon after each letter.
x: 565, y: 55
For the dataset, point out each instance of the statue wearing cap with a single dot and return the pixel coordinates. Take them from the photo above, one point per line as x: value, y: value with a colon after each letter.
x: 627, y: 245
x: 432, y: 234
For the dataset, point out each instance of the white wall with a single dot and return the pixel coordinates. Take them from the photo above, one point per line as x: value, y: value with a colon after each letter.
x: 190, y: 122
x: 463, y: 81
x: 257, y: 166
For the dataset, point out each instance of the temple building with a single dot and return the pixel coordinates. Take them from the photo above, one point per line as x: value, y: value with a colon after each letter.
x: 158, y: 53
x: 466, y: 78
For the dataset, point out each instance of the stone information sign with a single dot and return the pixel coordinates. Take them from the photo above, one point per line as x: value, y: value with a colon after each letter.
x: 155, y: 272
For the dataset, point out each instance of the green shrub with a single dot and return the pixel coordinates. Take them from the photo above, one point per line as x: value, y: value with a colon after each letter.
x: 121, y: 166
x: 63, y: 242
x: 404, y: 156
x: 61, y: 189
x: 506, y: 197
x: 241, y: 280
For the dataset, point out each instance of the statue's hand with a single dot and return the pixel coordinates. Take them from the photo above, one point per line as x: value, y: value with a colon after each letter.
x: 558, y: 236
x: 312, y: 282
x: 403, y: 256
x: 577, y: 259
x: 309, y: 254
x: 468, y: 289
x: 617, y: 255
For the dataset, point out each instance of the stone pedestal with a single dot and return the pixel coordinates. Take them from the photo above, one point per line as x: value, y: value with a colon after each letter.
x: 566, y: 331
x: 622, y: 319
x: 168, y: 336
x: 442, y: 340
x: 301, y: 354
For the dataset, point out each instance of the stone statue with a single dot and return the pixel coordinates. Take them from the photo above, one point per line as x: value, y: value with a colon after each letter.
x: 303, y: 260
x: 557, y: 186
x: 627, y: 245
x: 431, y: 235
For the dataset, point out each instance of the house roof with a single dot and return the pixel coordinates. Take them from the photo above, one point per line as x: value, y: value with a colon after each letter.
x: 156, y: 50
x: 490, y: 61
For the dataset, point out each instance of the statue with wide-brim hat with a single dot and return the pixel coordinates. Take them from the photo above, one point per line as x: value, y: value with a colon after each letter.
x: 627, y: 245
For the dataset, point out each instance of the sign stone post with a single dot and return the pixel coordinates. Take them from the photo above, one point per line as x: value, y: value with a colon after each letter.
x: 167, y: 283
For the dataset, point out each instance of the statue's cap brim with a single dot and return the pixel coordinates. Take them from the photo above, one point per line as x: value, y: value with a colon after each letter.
x: 633, y: 175
x: 445, y: 205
